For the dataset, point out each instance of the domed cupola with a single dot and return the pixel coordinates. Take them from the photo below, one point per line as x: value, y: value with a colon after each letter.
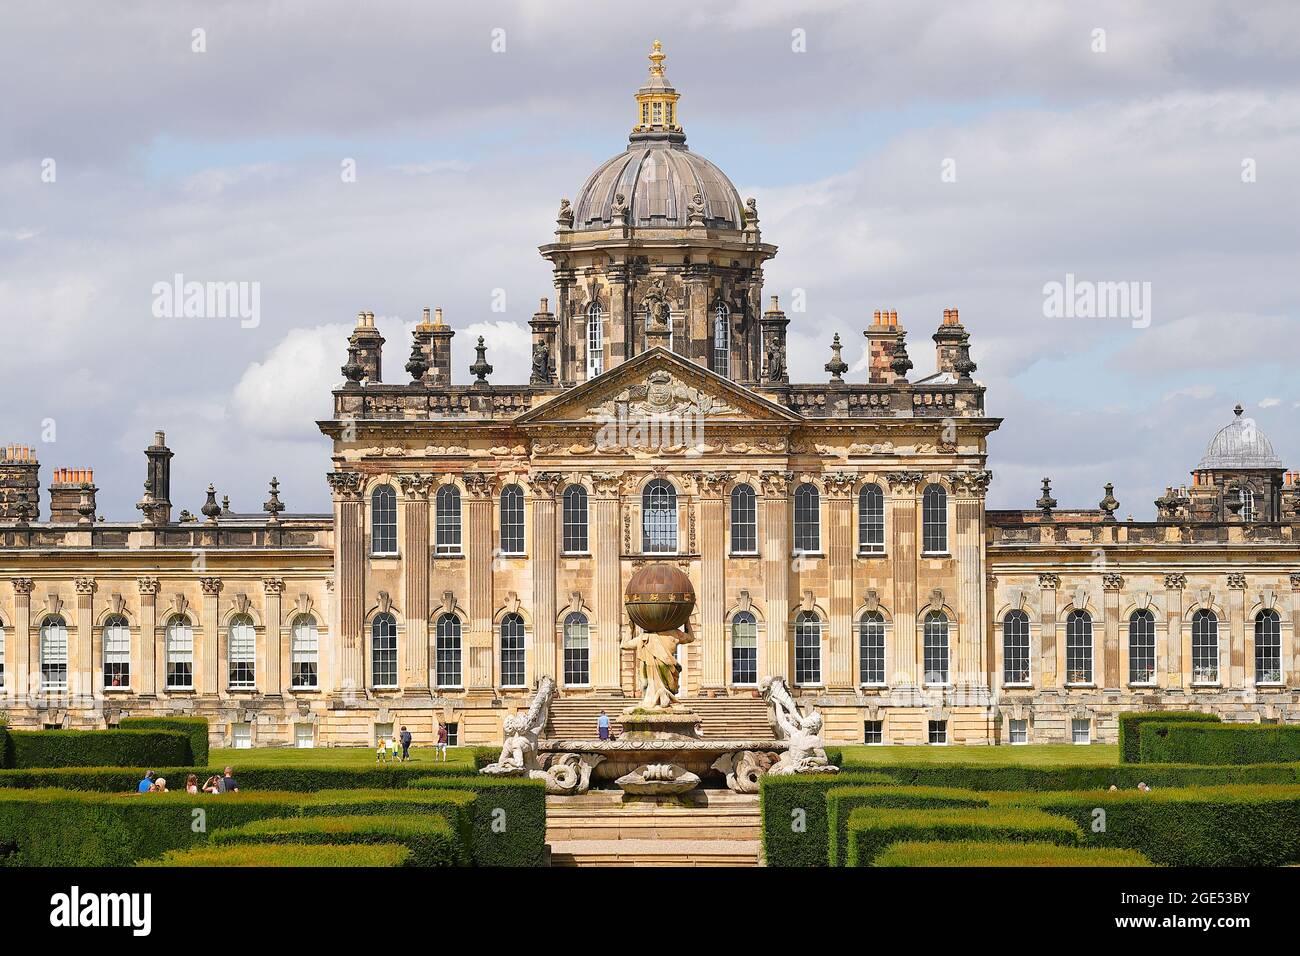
x: 657, y: 183
x: 1239, y: 445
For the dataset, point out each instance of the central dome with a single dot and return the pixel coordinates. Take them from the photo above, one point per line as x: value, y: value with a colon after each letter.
x: 658, y: 179
x: 1240, y: 445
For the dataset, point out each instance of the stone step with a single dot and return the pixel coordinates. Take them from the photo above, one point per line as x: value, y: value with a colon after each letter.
x: 604, y: 816
x: 731, y: 853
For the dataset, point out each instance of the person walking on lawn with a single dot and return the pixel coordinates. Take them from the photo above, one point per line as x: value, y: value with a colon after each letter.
x: 406, y: 745
x: 442, y: 741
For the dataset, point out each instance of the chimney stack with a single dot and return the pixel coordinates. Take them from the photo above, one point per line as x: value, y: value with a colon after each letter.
x: 440, y: 336
x: 20, y: 482
x: 66, y: 490
x: 159, y: 478
x: 881, y: 338
x: 370, y: 348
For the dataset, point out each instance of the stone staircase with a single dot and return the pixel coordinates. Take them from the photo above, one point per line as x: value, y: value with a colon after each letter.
x: 700, y: 828
x: 723, y: 718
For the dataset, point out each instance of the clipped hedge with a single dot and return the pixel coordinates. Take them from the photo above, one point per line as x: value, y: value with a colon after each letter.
x: 794, y: 817
x: 872, y: 830
x: 1035, y: 778
x: 196, y: 728
x: 431, y: 840
x: 6, y: 745
x: 509, y: 826
x: 1218, y: 744
x: 286, y: 854
x: 842, y: 801
x: 100, y: 748
x: 71, y: 829
x: 1130, y: 726
x: 980, y: 854
x: 308, y: 779
x: 1213, y: 826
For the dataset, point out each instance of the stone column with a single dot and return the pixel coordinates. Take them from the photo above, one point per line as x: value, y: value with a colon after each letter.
x: 1243, y: 638
x: 1172, y: 649
x: 699, y: 332
x: 83, y: 684
x: 350, y: 581
x: 968, y: 550
x: 1291, y: 641
x: 415, y: 565
x: 214, y: 650
x: 1048, y: 585
x: 153, y: 669
x: 272, y: 680
x: 606, y: 653
x: 545, y: 546
x: 775, y: 659
x: 713, y: 587
x: 19, y: 666
x: 839, y: 516
x: 1112, y: 585
x: 480, y: 545
x: 905, y: 656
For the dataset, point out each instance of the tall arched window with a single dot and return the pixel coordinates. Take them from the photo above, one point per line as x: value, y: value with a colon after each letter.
x: 179, y: 647
x: 722, y: 340
x: 2, y: 654
x: 744, y: 520
x: 117, y: 653
x: 575, y: 520
x: 243, y: 653
x: 304, y: 652
x: 871, y: 649
x: 447, y: 651
x: 595, y: 340
x: 577, y: 650
x: 1205, y: 647
x: 1249, y: 505
x: 936, y: 648
x: 54, y: 654
x: 744, y: 649
x: 383, y: 652
x: 659, y: 518
x: 1142, y: 648
x: 1015, y: 648
x: 1078, y: 648
x: 934, y: 520
x: 383, y: 520
x: 871, y: 520
x: 512, y: 520
x: 512, y: 651
x: 807, y: 648
x: 807, y: 518
x: 1268, y: 648
x: 447, y: 520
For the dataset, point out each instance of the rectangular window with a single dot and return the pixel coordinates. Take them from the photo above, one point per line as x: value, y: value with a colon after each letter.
x: 304, y: 652
x: 744, y: 650
x: 304, y: 736
x: 180, y: 657
x: 2, y: 657
x: 241, y: 736
x: 453, y: 735
x: 577, y: 659
x: 873, y: 731
x: 1081, y: 731
x: 512, y: 653
x: 938, y: 731
x: 54, y: 657
x: 1019, y: 731
x: 744, y: 521
x: 808, y: 653
x: 871, y: 650
x: 117, y: 657
x: 575, y: 520
x: 871, y: 520
x: 243, y: 655
x: 1142, y: 648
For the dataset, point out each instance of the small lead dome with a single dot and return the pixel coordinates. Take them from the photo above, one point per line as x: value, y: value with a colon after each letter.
x: 1240, y: 445
x: 657, y: 177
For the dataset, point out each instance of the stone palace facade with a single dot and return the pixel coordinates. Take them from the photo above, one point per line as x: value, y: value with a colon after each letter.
x: 482, y: 534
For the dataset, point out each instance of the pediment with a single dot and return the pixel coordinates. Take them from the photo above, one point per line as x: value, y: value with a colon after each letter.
x: 658, y: 383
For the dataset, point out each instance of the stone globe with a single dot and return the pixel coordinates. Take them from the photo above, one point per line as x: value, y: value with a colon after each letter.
x: 660, y: 597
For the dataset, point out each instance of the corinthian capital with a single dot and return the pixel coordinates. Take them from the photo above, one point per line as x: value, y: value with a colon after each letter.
x: 211, y: 585
x: 839, y: 484
x: 416, y: 485
x: 546, y: 484
x: 346, y: 485
x: 24, y: 585
x: 776, y: 484
x: 712, y: 484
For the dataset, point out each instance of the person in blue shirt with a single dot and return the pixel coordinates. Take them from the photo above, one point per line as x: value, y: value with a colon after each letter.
x: 602, y: 725
x: 146, y: 784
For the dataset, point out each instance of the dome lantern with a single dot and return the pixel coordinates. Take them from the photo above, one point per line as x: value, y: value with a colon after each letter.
x: 657, y: 102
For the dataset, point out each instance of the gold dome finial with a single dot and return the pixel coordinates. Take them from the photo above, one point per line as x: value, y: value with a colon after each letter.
x: 657, y: 100
x: 657, y: 58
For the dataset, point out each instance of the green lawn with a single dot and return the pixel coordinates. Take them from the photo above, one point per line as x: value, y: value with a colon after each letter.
x: 1038, y: 755
x: 342, y: 757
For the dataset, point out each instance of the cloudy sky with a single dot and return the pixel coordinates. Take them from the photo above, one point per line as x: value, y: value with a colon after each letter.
x: 909, y: 156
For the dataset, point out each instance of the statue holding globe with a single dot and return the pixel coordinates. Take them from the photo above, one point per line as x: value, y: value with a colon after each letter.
x: 659, y: 601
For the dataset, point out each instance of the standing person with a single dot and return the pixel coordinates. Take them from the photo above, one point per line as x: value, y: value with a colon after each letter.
x: 146, y: 784
x: 602, y: 725
x: 392, y: 747
x: 381, y: 751
x: 228, y: 784
x: 442, y: 741
x: 406, y: 744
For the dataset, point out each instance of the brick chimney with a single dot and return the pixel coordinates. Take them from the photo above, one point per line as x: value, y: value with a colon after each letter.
x: 440, y: 336
x: 881, y: 338
x: 20, y: 475
x: 66, y: 489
